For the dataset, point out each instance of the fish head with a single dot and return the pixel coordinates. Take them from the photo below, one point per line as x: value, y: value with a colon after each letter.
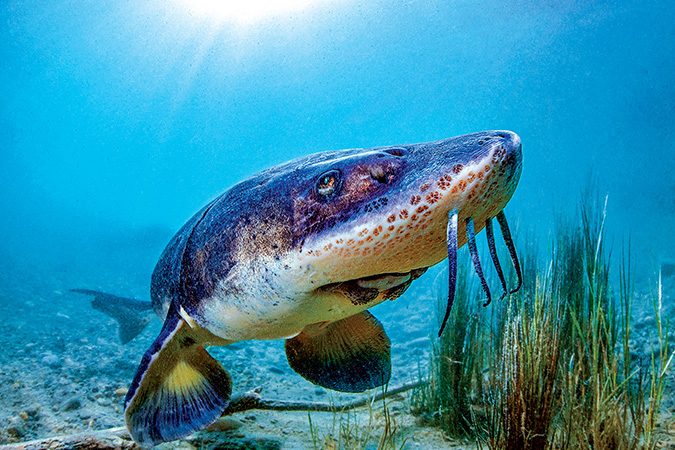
x: 375, y: 216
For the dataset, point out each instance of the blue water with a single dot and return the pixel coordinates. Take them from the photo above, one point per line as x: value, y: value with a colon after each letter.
x: 119, y: 120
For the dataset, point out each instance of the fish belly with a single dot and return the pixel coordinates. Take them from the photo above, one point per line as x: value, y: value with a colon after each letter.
x: 256, y: 306
x: 239, y: 319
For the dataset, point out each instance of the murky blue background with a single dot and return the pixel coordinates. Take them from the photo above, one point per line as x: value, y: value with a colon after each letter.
x: 118, y: 116
x: 118, y: 120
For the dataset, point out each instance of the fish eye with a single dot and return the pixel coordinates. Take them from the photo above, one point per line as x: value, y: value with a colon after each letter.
x: 328, y: 183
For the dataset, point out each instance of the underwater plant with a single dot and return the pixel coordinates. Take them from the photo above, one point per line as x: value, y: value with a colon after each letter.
x: 349, y: 431
x: 553, y: 367
x: 456, y: 359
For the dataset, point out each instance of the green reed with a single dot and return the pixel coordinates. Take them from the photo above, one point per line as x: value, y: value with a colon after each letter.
x: 445, y: 400
x: 350, y: 431
x: 553, y: 368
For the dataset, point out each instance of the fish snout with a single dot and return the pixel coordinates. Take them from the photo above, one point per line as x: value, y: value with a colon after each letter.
x: 510, y: 139
x: 504, y: 148
x: 508, y: 148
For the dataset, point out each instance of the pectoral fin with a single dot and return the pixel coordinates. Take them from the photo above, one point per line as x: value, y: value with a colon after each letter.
x: 178, y: 388
x: 350, y: 355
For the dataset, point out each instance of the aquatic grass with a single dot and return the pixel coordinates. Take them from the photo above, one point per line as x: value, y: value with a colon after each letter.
x: 391, y: 436
x: 660, y: 364
x: 314, y: 433
x: 553, y: 369
x: 525, y: 384
x: 592, y: 366
x: 456, y: 361
x: 348, y: 431
x: 603, y: 388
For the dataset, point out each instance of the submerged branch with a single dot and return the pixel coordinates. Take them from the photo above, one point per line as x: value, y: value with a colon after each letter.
x: 253, y: 400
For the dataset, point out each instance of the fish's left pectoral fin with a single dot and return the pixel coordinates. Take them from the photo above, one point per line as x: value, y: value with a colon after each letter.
x: 178, y: 389
x: 349, y: 355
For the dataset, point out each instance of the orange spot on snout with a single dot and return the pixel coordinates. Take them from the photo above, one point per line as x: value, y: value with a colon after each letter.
x: 433, y: 197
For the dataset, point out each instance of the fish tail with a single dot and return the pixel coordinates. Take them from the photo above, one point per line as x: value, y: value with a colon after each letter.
x: 131, y: 315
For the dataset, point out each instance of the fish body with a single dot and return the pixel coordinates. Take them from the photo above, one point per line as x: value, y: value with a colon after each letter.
x: 300, y: 252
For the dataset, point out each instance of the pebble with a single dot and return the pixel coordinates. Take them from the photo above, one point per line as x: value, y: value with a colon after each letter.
x: 72, y: 404
x: 645, y: 322
x: 33, y: 410
x: 16, y: 428
x: 224, y: 424
x: 51, y: 360
x: 121, y: 392
x: 16, y: 431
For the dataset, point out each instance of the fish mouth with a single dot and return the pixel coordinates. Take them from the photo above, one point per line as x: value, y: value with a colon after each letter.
x: 384, y: 286
x: 386, y: 281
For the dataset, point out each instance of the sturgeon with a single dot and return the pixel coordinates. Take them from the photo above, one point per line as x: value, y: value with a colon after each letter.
x: 300, y: 252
